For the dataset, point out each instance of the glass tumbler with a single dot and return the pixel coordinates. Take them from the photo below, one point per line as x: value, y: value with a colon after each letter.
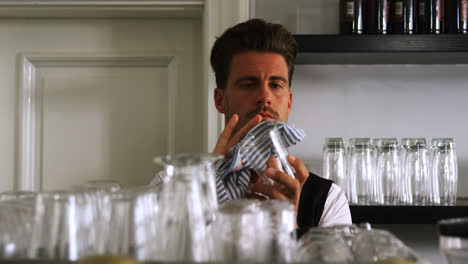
x: 334, y: 161
x: 416, y: 171
x: 328, y: 247
x: 282, y: 231
x: 183, y: 218
x: 15, y: 228
x: 380, y: 246
x: 387, y: 182
x: 242, y: 233
x: 360, y: 171
x: 132, y: 226
x: 59, y: 226
x: 444, y: 172
x: 453, y: 240
x: 407, y: 196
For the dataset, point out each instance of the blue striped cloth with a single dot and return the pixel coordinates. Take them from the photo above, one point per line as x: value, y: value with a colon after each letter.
x: 251, y: 153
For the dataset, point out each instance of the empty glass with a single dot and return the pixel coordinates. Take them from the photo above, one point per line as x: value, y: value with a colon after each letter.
x: 387, y: 183
x: 242, y: 232
x: 15, y: 228
x: 416, y: 169
x: 55, y: 230
x: 407, y: 196
x: 380, y: 246
x: 324, y: 246
x: 453, y: 240
x: 283, y: 230
x: 360, y: 171
x: 334, y: 161
x: 184, y: 206
x: 444, y: 172
x: 132, y: 227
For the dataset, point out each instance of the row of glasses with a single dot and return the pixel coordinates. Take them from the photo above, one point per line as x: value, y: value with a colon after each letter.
x: 177, y: 220
x: 392, y: 171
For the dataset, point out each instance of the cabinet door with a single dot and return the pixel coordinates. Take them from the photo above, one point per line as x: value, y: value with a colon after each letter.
x: 90, y: 99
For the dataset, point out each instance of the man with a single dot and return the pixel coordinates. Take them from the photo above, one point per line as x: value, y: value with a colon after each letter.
x: 254, y: 64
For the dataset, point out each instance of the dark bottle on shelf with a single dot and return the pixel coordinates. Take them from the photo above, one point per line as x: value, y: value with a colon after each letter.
x: 411, y: 17
x: 398, y: 17
x: 378, y: 17
x: 452, y: 11
x: 436, y: 16
x: 463, y: 15
x: 351, y: 16
x: 422, y: 21
x: 404, y: 16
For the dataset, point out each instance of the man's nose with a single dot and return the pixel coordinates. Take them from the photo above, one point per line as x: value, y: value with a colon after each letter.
x: 264, y: 95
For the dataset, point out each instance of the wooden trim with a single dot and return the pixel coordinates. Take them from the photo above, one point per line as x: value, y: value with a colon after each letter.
x: 218, y: 15
x: 96, y: 9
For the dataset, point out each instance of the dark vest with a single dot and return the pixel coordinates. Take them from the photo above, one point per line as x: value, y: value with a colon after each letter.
x: 312, y: 202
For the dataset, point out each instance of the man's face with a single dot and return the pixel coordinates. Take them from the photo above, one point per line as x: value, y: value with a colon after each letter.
x: 257, y: 84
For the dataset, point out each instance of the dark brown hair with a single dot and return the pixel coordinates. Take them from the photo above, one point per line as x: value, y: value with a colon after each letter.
x: 252, y: 35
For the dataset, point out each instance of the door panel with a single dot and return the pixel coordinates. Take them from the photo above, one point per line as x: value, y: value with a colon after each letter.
x: 102, y: 123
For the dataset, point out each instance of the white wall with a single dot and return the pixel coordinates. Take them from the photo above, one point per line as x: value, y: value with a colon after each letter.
x: 381, y: 101
x: 300, y: 16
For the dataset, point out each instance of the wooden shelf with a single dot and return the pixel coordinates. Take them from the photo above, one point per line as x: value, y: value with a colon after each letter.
x: 383, y: 49
x: 382, y: 214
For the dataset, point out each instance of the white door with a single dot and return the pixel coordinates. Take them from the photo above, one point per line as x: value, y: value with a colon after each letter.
x: 89, y: 99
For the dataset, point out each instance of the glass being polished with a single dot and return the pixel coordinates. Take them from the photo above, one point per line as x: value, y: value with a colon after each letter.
x: 254, y: 63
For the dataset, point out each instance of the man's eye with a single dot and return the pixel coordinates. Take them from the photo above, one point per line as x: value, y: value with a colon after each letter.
x: 247, y: 85
x: 275, y: 85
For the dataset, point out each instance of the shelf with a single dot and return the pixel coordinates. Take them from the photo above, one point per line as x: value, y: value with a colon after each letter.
x: 383, y: 49
x: 381, y: 214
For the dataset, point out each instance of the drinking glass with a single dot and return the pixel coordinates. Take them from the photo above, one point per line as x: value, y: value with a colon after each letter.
x: 132, y: 227
x: 453, y: 240
x: 387, y: 181
x: 15, y: 228
x: 282, y: 232
x: 375, y: 151
x: 407, y: 196
x: 444, y: 173
x: 380, y: 246
x: 416, y: 170
x: 57, y: 230
x: 242, y: 232
x: 324, y: 246
x: 334, y: 161
x: 360, y: 171
x: 184, y: 206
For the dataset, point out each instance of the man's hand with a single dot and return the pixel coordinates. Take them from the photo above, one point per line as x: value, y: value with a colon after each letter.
x: 227, y: 140
x: 286, y: 187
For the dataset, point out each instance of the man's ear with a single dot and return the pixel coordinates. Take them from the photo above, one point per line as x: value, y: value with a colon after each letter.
x: 219, y: 99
